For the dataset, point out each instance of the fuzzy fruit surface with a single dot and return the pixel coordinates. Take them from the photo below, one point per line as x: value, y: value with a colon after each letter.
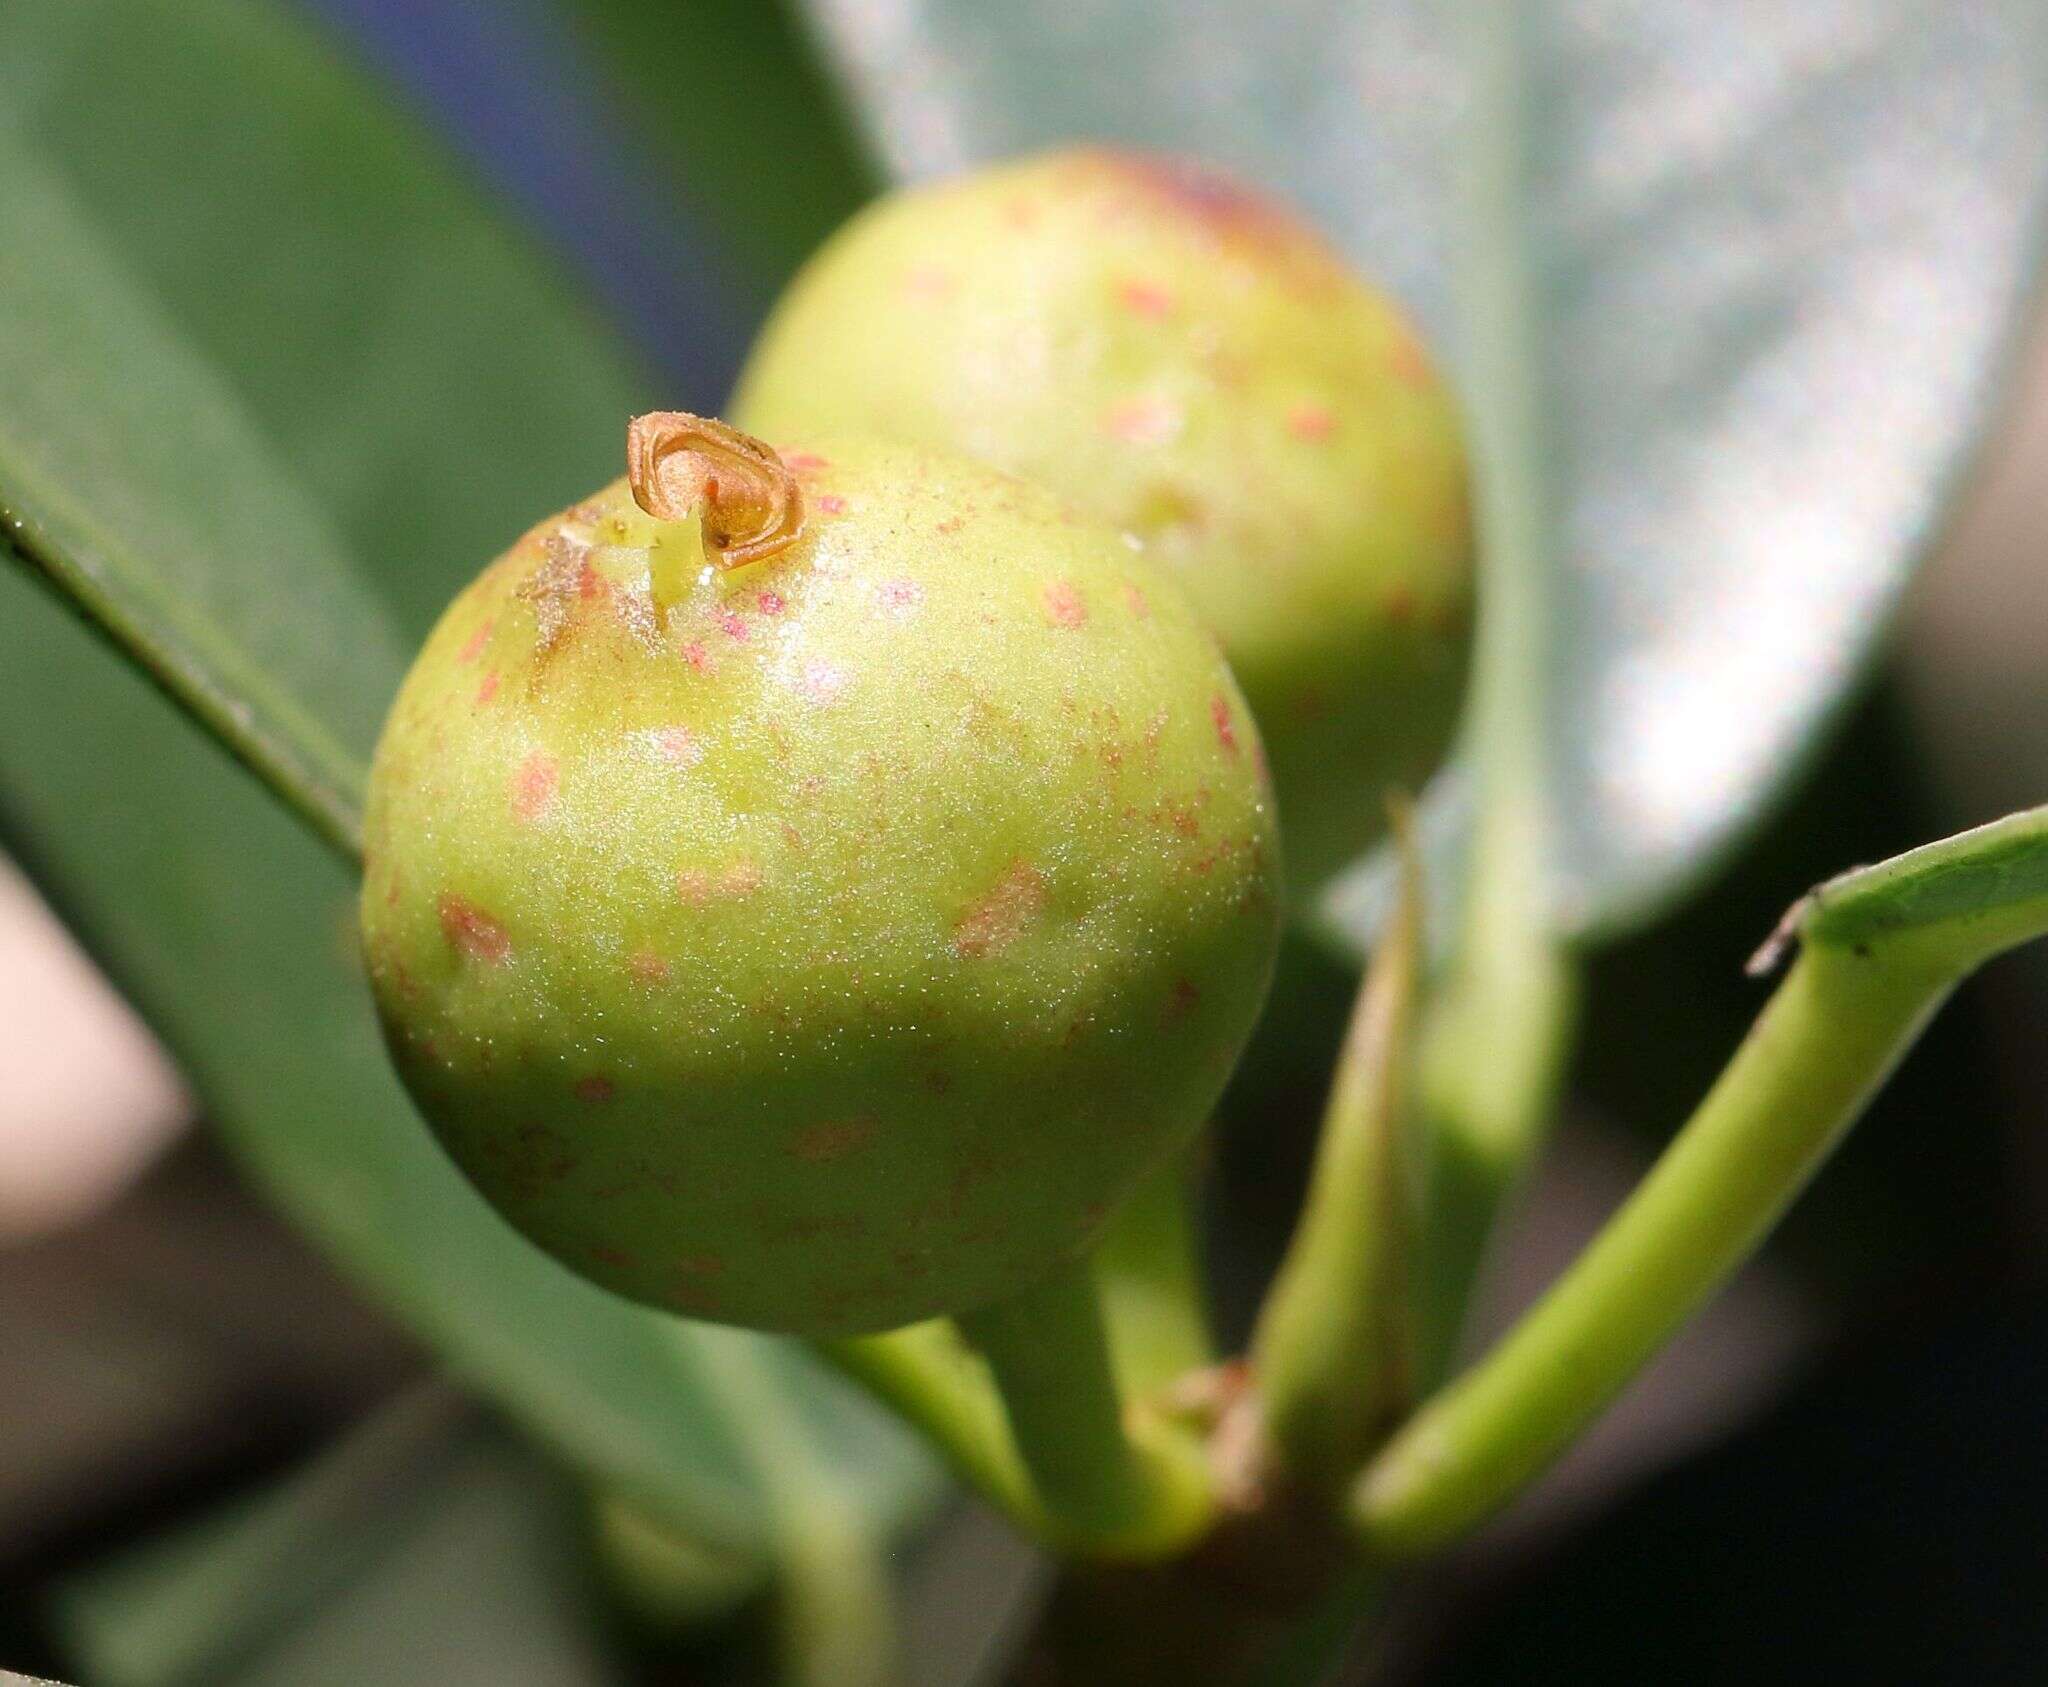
x: 832, y: 942
x: 1195, y: 365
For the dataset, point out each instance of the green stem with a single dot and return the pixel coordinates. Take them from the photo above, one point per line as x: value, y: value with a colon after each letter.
x: 929, y: 1377
x: 1332, y: 1352
x: 836, y: 1611
x: 834, y: 1608
x: 1826, y: 1040
x: 1882, y: 948
x: 1501, y: 1019
x: 1113, y: 1484
x: 1490, y: 1065
x: 1149, y: 1263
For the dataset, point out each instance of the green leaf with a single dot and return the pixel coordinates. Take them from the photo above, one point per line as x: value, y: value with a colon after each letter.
x: 276, y: 382
x: 187, y: 1604
x: 128, y: 472
x: 1779, y: 254
x: 762, y: 149
x: 465, y: 1580
x: 428, y: 382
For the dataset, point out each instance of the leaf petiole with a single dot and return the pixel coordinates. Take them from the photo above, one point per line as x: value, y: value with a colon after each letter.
x: 1880, y: 949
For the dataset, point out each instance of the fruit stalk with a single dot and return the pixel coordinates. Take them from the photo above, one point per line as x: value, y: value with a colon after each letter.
x: 1332, y: 1353
x: 1113, y: 1483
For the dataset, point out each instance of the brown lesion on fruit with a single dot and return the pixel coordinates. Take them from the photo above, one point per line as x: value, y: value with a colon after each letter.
x: 834, y: 1139
x: 565, y: 579
x: 469, y: 929
x: 1003, y: 913
x: 749, y: 503
x: 529, y: 1162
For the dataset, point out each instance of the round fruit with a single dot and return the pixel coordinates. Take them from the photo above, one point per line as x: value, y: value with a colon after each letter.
x: 1193, y: 364
x: 809, y: 890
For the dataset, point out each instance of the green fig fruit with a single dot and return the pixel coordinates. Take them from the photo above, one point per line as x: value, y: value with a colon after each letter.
x: 808, y: 890
x: 1188, y: 361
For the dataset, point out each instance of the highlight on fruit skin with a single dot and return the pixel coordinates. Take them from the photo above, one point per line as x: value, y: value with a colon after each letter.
x: 1192, y: 363
x: 827, y: 942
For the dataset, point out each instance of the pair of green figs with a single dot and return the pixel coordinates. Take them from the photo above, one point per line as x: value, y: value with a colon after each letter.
x: 810, y: 882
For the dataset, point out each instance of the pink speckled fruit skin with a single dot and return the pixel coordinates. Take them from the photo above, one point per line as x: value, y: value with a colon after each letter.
x: 1195, y: 365
x: 836, y: 948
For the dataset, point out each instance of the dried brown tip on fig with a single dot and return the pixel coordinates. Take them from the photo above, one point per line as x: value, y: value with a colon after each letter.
x: 750, y: 503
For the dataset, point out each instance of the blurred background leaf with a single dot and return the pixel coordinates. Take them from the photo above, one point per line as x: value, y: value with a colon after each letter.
x: 1781, y: 253
x: 465, y: 1575
x: 374, y: 383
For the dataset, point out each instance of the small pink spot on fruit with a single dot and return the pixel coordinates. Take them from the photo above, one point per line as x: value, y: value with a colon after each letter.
x: 1003, y: 914
x: 533, y: 787
x: 678, y: 746
x: 1063, y: 605
x: 646, y: 967
x: 823, y: 681
x: 489, y: 688
x: 834, y: 1139
x: 594, y: 1089
x: 1181, y: 1003
x: 1226, y: 727
x: 693, y: 653
x: 1311, y: 422
x: 731, y: 625
x: 1142, y: 421
x: 473, y: 931
x: 1136, y: 602
x: 591, y: 585
x: 927, y: 281
x: 900, y: 599
x: 1146, y: 298
x: 732, y: 883
x: 771, y: 603
x: 830, y: 503
x: 803, y: 462
x: 474, y: 646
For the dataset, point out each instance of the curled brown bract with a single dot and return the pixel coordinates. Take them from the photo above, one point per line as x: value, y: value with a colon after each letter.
x: 750, y: 503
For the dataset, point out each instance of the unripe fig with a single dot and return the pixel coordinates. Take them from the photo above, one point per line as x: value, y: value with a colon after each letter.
x: 808, y: 890
x: 1170, y: 352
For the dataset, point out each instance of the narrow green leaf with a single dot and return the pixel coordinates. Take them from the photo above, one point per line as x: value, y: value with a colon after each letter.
x: 188, y: 1605
x: 130, y: 475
